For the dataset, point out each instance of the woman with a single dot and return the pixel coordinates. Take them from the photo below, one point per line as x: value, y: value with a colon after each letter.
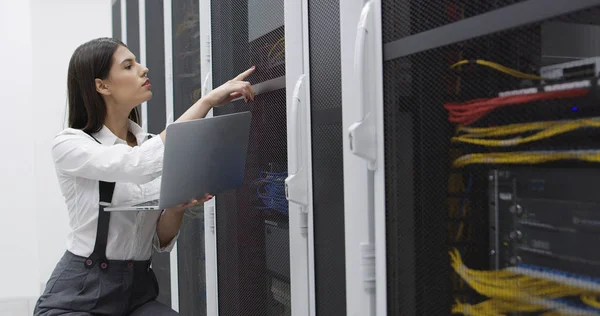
x: 104, y: 156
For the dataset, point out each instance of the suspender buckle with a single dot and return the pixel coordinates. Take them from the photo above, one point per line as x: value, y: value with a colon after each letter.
x: 90, y: 261
x: 103, y: 265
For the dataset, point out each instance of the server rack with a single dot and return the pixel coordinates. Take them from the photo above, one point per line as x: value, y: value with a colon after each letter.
x: 132, y: 25
x: 293, y: 256
x: 448, y: 111
x: 248, y: 266
x: 144, y: 26
x: 185, y: 62
x: 154, y: 57
x: 210, y: 238
x: 116, y: 19
x: 151, y: 43
x: 126, y: 27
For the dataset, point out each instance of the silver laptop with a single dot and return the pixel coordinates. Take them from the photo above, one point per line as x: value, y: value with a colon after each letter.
x: 201, y: 156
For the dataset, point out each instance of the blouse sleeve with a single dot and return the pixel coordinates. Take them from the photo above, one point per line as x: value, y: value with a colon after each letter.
x: 79, y: 155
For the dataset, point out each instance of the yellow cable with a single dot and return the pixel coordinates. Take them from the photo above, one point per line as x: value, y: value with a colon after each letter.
x: 481, y: 309
x: 533, y: 157
x: 548, y: 129
x: 503, y: 130
x: 512, y: 129
x: 496, y: 307
x: 493, y: 65
x: 275, y: 45
x: 508, y: 285
x: 591, y: 300
x: 280, y: 53
x: 509, y: 296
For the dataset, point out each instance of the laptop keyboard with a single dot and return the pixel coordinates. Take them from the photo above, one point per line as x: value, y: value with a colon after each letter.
x: 149, y: 203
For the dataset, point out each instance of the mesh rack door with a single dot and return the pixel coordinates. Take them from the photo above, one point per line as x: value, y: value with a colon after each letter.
x: 473, y: 151
x: 252, y: 221
x: 155, y: 113
x: 327, y: 157
x: 187, y: 87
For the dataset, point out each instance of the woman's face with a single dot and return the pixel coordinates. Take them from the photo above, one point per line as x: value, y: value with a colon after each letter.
x: 127, y: 81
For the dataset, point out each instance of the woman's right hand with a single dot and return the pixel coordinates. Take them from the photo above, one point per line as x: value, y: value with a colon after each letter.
x: 232, y: 89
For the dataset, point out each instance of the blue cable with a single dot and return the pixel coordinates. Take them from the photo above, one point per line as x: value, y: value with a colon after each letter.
x: 557, y: 272
x: 270, y: 189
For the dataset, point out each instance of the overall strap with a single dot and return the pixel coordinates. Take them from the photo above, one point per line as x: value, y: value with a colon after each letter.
x: 99, y: 253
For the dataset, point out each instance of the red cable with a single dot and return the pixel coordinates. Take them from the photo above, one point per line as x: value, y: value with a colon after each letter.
x: 469, y: 112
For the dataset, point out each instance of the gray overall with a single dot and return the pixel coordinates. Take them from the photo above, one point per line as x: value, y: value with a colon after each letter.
x: 97, y: 286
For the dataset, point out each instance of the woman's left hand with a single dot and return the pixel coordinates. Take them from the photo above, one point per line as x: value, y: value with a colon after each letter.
x: 182, y: 207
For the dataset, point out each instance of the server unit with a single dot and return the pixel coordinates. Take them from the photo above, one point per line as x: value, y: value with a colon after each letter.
x: 471, y: 128
x: 546, y: 218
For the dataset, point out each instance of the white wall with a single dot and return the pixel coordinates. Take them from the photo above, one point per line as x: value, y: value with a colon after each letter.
x: 59, y: 26
x: 19, y: 272
x: 37, y: 38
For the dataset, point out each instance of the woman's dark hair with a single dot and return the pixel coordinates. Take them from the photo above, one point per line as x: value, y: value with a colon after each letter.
x: 87, y: 109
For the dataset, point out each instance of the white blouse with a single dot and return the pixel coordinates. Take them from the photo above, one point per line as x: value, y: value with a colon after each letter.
x: 81, y: 162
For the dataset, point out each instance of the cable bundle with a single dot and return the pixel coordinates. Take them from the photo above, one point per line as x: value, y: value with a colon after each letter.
x: 493, y: 307
x: 470, y: 112
x: 271, y: 190
x: 547, y: 129
x: 499, y: 307
x: 509, y: 291
x: 527, y: 157
x: 509, y: 285
x: 493, y: 65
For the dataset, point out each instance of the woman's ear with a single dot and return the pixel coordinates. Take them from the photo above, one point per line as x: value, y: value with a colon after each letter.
x: 102, y: 87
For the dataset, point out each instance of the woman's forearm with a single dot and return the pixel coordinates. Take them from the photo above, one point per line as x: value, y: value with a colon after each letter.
x: 168, y: 226
x: 197, y: 111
